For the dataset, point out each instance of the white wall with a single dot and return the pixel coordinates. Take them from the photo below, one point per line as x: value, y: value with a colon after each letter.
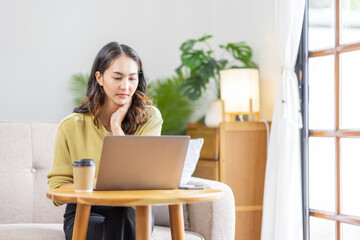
x: 44, y: 42
x: 253, y: 22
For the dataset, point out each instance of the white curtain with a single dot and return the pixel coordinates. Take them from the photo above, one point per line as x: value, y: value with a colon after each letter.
x: 282, y: 207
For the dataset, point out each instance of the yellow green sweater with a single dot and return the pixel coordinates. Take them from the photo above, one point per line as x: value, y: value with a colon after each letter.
x: 77, y: 137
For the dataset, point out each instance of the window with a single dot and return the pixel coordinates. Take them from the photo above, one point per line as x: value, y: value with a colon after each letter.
x: 331, y: 108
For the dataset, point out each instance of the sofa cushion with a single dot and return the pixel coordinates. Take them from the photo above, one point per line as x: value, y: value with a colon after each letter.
x: 192, y: 157
x: 30, y: 231
x: 38, y: 231
x: 43, y: 137
x: 16, y: 182
x: 161, y: 233
x: 26, y: 151
x: 44, y: 211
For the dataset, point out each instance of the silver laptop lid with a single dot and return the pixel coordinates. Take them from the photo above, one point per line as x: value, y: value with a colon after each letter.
x: 141, y: 162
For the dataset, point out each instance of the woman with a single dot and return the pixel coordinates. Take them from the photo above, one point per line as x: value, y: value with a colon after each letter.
x: 116, y: 104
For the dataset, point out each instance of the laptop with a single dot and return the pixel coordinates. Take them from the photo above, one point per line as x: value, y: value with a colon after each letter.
x: 141, y: 162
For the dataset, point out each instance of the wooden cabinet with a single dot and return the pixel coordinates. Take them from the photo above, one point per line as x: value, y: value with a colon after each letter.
x: 238, y: 159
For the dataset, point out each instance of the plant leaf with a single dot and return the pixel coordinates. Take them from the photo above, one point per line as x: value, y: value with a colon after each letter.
x: 208, y: 53
x: 192, y: 59
x: 193, y: 86
x: 78, y: 86
x: 251, y: 64
x: 188, y: 45
x: 222, y: 63
x: 242, y: 52
x: 206, y: 71
x: 204, y: 38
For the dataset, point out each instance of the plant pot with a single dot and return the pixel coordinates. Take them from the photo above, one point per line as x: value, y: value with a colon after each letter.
x: 214, y: 113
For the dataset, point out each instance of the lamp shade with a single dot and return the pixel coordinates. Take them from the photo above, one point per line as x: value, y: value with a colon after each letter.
x: 238, y: 86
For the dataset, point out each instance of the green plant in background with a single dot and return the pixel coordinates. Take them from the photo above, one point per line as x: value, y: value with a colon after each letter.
x: 175, y: 96
x: 78, y: 86
x: 175, y: 108
x: 199, y: 66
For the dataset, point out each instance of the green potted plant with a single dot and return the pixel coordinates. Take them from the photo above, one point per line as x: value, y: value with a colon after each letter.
x: 199, y: 67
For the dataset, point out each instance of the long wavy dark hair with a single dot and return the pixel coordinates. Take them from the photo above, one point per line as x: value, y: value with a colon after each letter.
x: 95, y: 95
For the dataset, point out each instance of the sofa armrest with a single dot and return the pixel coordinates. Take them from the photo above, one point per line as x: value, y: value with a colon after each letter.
x: 214, y: 220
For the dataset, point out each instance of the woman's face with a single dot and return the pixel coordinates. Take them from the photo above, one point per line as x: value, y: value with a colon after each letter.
x: 119, y: 81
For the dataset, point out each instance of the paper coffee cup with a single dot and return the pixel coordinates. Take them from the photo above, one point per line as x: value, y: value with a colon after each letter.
x: 83, y: 174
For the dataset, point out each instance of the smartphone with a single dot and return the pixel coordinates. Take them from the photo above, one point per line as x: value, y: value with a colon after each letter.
x: 191, y: 187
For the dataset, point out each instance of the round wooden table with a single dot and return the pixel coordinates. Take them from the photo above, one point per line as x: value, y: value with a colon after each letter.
x: 141, y: 200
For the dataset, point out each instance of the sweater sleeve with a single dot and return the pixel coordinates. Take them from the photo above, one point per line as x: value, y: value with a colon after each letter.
x: 153, y: 126
x: 61, y: 168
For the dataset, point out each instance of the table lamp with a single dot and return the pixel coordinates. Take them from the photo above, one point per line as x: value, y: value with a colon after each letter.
x: 240, y: 93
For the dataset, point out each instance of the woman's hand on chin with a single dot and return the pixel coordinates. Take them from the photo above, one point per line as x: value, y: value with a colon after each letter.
x: 117, y: 117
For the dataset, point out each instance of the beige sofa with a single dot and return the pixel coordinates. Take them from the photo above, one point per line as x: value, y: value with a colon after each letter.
x: 26, y: 213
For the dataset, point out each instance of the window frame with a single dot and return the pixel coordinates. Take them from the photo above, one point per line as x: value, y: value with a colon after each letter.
x: 336, y: 133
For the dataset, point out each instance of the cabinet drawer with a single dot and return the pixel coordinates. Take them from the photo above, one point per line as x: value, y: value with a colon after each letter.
x: 210, y: 149
x: 207, y: 169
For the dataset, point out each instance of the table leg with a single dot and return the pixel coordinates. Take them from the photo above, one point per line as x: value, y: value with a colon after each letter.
x: 177, y: 222
x: 143, y: 222
x: 81, y: 221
